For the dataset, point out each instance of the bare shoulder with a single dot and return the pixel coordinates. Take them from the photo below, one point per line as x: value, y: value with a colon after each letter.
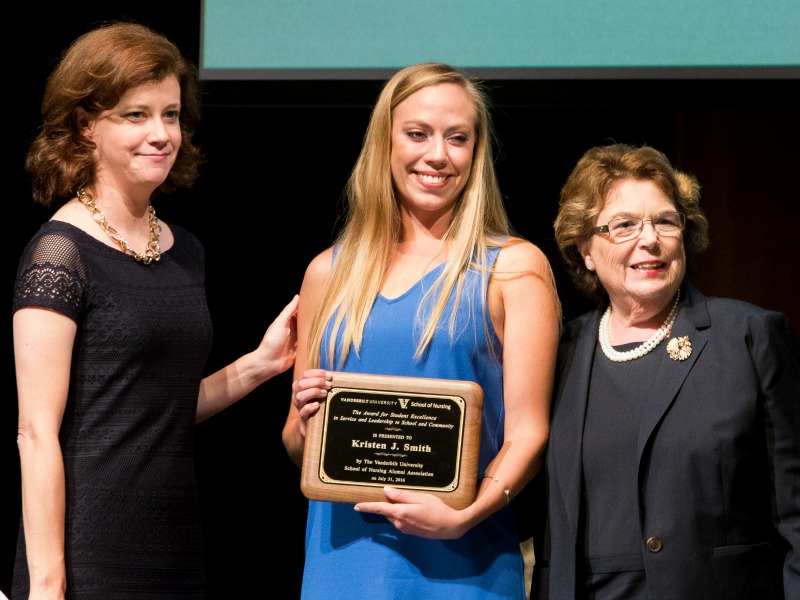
x: 522, y: 290
x: 518, y: 254
x: 312, y: 290
x: 319, y: 269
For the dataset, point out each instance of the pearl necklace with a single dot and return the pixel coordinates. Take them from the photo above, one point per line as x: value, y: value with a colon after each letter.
x: 150, y: 254
x: 645, y: 347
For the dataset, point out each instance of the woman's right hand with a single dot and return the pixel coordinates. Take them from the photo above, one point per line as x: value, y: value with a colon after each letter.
x: 307, y: 393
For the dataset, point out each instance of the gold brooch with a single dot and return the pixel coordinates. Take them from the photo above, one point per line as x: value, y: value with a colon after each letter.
x: 679, y: 348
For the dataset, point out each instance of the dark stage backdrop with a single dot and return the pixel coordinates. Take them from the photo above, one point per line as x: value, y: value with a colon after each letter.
x: 268, y: 200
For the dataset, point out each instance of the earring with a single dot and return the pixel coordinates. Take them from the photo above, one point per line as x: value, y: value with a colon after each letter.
x: 590, y: 267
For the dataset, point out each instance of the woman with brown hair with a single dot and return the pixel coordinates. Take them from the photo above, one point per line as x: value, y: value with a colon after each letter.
x: 112, y: 332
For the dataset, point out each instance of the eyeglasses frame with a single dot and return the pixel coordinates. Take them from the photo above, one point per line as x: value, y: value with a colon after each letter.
x: 604, y: 228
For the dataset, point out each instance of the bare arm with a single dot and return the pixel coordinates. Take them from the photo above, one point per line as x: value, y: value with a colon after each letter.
x: 274, y: 355
x: 43, y: 342
x: 529, y: 325
x: 525, y: 312
x: 309, y: 386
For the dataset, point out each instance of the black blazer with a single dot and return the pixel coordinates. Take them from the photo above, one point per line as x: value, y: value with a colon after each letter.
x: 719, y: 459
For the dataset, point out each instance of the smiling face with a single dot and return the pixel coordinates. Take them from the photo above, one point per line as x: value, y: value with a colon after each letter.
x: 433, y: 138
x: 646, y: 270
x: 138, y: 140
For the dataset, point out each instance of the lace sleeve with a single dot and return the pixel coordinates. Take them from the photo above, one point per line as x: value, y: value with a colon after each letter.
x: 50, y: 275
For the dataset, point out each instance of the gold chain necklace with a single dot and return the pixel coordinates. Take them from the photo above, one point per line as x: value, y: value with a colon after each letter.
x: 151, y: 253
x: 645, y: 347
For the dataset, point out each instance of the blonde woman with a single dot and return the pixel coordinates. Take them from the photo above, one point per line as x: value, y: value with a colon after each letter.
x: 426, y: 279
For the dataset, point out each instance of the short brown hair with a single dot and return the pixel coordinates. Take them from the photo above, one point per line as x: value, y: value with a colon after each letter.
x: 587, y: 188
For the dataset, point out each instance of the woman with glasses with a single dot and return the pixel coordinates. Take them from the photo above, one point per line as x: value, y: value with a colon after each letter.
x: 673, y: 465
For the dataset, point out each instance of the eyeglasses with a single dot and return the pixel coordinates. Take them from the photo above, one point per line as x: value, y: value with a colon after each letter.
x: 626, y: 228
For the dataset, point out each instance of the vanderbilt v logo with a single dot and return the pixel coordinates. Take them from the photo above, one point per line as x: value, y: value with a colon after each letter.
x: 403, y: 402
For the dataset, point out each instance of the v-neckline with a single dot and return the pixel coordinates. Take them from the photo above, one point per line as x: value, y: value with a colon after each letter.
x: 413, y: 286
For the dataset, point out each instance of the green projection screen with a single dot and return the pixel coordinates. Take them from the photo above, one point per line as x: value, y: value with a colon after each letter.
x: 500, y: 39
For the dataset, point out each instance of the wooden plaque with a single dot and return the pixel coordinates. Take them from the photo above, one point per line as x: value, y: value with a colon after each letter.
x: 405, y: 432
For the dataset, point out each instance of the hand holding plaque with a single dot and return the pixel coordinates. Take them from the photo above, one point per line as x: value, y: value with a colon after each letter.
x: 374, y: 431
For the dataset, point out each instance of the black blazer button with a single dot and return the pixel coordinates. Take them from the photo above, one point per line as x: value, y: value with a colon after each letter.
x: 654, y: 545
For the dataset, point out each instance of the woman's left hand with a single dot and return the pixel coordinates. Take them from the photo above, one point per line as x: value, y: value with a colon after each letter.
x: 418, y: 513
x: 278, y: 347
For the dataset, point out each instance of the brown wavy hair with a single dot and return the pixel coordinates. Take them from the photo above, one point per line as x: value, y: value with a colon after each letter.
x: 93, y: 73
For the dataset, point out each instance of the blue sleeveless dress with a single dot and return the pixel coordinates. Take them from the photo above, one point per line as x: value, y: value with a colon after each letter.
x: 351, y: 555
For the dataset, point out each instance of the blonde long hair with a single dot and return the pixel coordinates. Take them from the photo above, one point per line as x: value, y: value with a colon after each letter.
x: 373, y: 226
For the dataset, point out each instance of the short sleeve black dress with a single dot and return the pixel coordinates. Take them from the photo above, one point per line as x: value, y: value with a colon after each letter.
x: 133, y: 528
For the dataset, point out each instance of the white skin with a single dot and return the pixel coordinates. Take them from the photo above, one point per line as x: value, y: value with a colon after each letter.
x: 433, y: 137
x: 137, y: 142
x: 641, y: 275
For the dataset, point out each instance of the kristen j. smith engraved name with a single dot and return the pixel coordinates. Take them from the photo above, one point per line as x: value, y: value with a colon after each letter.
x: 394, y: 446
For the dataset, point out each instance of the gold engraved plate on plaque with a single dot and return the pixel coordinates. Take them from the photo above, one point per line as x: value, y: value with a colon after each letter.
x: 373, y: 431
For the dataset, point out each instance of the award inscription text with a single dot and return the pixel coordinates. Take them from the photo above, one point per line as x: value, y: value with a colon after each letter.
x: 377, y: 438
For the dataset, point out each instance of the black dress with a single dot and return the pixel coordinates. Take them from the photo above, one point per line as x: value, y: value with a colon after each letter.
x: 133, y: 528
x: 613, y: 565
